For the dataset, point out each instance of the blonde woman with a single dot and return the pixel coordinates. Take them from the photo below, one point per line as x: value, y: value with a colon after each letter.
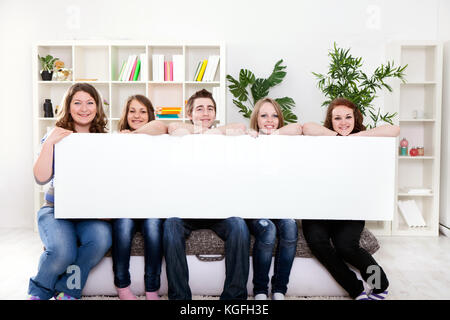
x: 266, y: 119
x: 78, y: 243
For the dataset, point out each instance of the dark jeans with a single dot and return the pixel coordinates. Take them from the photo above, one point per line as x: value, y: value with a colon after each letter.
x: 265, y: 232
x: 233, y: 231
x: 123, y: 232
x: 345, y: 235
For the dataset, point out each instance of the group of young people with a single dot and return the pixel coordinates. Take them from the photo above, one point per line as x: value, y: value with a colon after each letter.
x: 83, y: 243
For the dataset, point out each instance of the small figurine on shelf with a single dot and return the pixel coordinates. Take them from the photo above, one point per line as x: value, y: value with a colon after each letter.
x: 62, y: 73
x: 48, y: 109
x: 404, y: 147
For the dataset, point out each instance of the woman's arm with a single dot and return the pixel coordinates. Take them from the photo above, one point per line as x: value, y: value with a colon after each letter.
x: 154, y: 127
x: 315, y: 129
x: 385, y: 130
x: 43, y: 167
x: 291, y: 129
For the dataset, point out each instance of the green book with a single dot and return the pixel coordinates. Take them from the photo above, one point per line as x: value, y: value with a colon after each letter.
x: 136, y: 72
x: 121, y: 70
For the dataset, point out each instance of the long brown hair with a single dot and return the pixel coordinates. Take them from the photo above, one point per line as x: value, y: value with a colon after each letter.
x: 258, y: 105
x: 356, y: 114
x: 123, y: 122
x: 65, y: 120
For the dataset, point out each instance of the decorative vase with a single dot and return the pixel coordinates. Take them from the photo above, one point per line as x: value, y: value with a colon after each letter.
x: 46, y: 75
x: 48, y: 109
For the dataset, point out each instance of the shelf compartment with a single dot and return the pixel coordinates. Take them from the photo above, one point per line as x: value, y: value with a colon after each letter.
x: 63, y: 53
x: 168, y: 51
x: 426, y: 207
x: 417, y: 174
x: 418, y: 96
x: 421, y: 62
x: 91, y: 62
x: 195, y: 54
x: 419, y: 134
x: 120, y: 54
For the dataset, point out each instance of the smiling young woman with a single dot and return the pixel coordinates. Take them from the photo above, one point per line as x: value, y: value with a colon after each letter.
x: 345, y: 119
x: 81, y: 243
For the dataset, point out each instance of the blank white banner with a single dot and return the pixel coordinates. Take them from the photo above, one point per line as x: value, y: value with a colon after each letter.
x: 212, y: 176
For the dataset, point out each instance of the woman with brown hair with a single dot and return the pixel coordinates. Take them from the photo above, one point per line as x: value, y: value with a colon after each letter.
x: 138, y: 117
x: 79, y: 244
x: 345, y: 119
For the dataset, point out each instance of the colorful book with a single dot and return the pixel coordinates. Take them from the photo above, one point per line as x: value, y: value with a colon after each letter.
x: 138, y: 69
x: 130, y: 78
x: 167, y: 112
x: 202, y: 70
x: 167, y: 116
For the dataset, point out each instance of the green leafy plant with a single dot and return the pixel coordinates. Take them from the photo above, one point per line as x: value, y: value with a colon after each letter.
x: 249, y: 89
x: 47, y: 62
x: 346, y: 79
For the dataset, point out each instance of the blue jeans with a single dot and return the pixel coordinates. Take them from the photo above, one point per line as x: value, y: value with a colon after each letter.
x: 123, y: 232
x: 265, y: 232
x: 233, y: 231
x: 77, y: 243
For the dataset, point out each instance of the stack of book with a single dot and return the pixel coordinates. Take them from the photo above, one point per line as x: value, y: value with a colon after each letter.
x: 168, y: 112
x: 131, y: 68
x: 206, y: 69
x: 167, y: 70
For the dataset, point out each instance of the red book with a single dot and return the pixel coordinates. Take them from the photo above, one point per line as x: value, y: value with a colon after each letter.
x: 133, y: 70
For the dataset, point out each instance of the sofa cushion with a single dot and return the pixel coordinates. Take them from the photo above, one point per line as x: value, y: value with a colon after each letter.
x: 206, y: 242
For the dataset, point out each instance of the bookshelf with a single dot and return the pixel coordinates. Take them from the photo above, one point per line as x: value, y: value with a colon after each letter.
x: 99, y: 63
x: 418, y: 104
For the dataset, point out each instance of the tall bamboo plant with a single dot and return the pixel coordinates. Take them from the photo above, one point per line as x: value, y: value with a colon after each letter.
x: 249, y: 89
x: 346, y: 79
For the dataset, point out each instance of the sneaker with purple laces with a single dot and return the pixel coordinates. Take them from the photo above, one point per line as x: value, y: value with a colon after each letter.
x: 64, y: 296
x: 31, y: 297
x: 378, y: 296
x: 362, y: 296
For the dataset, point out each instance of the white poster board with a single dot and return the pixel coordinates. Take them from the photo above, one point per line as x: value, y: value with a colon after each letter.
x: 212, y: 176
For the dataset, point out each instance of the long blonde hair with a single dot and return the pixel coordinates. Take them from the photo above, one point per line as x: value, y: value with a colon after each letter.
x: 258, y: 105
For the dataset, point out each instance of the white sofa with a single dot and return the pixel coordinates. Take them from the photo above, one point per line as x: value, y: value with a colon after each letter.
x: 308, y: 276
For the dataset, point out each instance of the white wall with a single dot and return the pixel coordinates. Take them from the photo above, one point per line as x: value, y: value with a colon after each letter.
x: 257, y: 34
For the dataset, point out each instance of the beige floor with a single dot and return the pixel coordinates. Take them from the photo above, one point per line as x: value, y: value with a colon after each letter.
x: 417, y: 268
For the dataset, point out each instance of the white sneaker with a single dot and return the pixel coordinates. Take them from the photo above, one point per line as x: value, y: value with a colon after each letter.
x: 261, y: 296
x: 278, y: 296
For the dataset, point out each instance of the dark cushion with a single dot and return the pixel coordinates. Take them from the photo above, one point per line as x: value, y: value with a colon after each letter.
x: 206, y: 242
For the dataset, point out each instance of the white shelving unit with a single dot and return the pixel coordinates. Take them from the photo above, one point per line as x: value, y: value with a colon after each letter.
x: 100, y: 62
x: 421, y: 94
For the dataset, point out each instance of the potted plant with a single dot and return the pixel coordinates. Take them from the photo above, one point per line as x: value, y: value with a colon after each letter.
x: 259, y: 89
x: 345, y: 79
x: 47, y: 64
